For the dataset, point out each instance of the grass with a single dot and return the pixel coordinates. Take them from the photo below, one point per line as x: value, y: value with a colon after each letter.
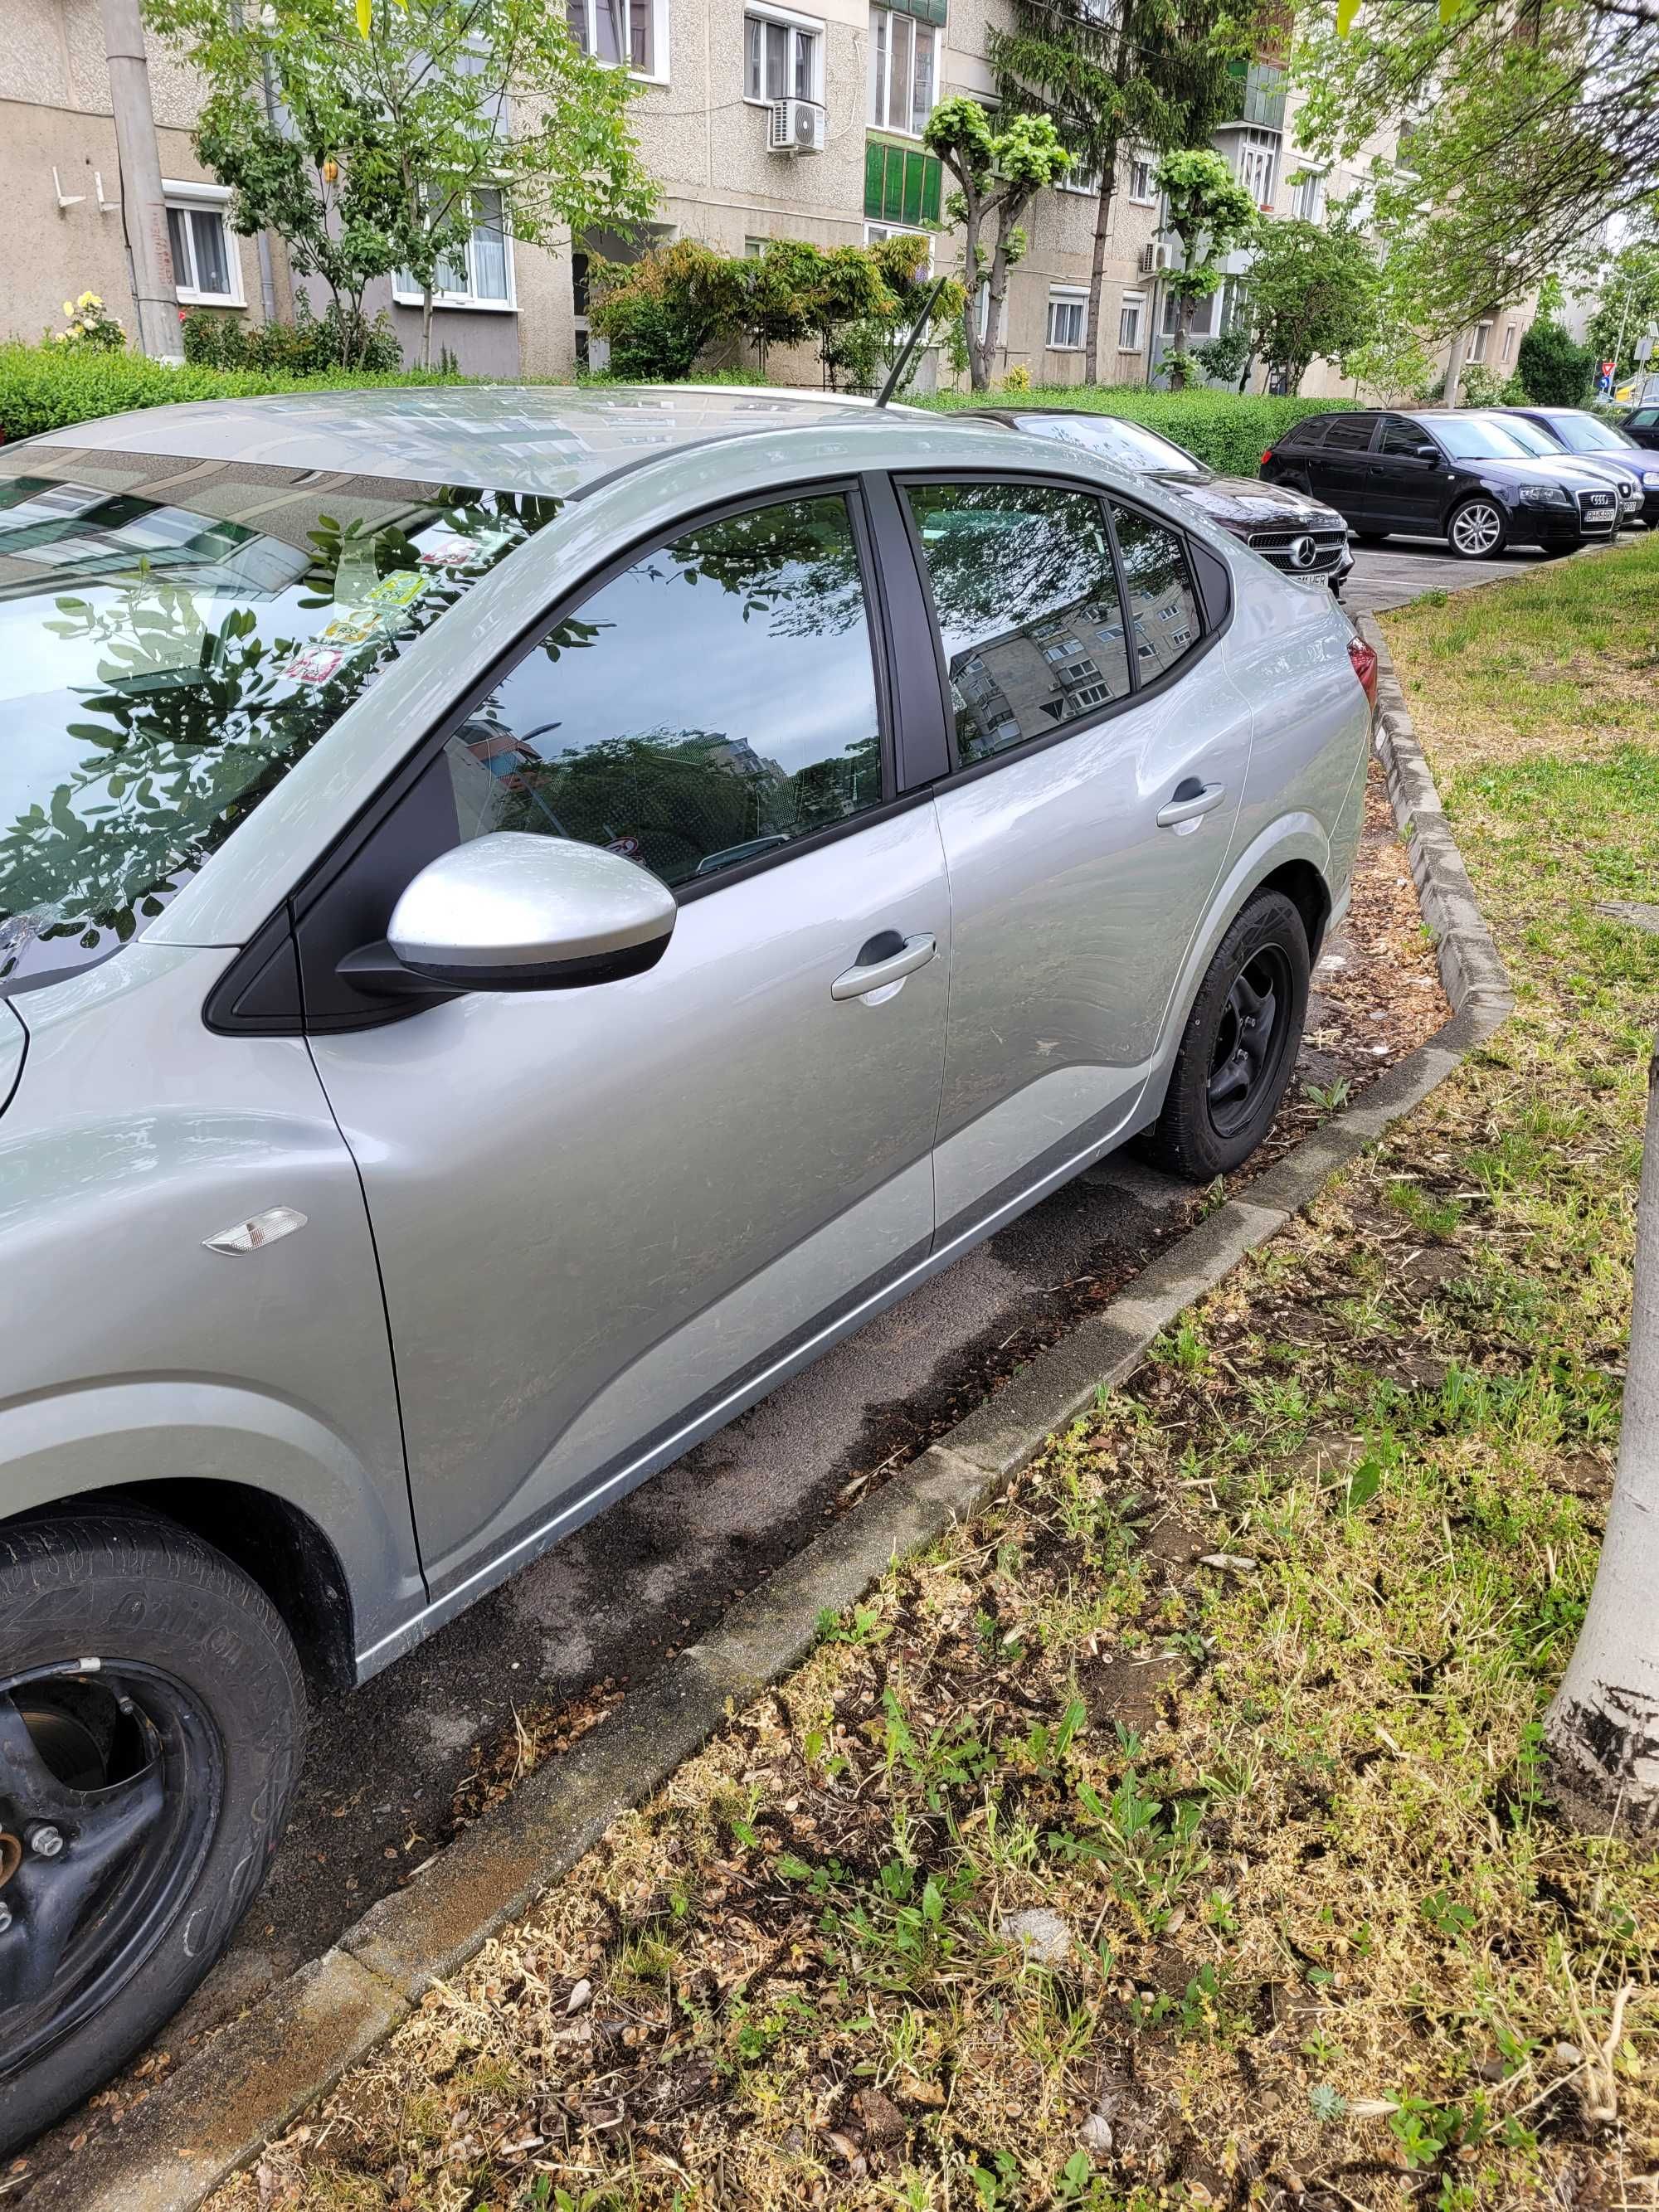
x: 1242, y: 1683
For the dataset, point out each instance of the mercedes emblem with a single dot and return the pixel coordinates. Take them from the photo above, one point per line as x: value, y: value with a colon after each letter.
x: 1304, y: 552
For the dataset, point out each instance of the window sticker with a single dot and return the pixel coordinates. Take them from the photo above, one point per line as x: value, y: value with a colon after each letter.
x: 400, y: 589
x: 315, y: 667
x: 455, y: 551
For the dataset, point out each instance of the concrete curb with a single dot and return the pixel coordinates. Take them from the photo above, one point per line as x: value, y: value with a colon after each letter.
x: 257, y: 2074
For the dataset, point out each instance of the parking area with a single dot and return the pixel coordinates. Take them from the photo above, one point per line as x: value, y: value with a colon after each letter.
x: 1403, y: 569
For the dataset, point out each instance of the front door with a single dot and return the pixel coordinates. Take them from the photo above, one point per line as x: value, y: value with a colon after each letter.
x: 600, y: 1211
x: 1409, y: 480
x: 1101, y: 756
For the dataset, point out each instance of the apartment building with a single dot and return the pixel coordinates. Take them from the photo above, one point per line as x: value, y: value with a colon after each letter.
x: 760, y: 120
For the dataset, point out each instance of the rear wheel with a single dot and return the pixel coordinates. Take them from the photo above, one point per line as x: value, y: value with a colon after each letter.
x: 152, y: 1723
x: 1239, y: 1045
x: 1476, y: 530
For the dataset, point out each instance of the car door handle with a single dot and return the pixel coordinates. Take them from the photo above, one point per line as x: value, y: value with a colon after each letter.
x: 1191, y: 799
x: 870, y: 974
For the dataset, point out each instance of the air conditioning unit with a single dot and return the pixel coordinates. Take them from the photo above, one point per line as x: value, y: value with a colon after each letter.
x: 1152, y: 259
x: 795, y: 126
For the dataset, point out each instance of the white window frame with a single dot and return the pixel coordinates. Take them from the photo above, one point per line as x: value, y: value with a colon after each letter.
x: 1084, y: 182
x: 1479, y: 342
x: 658, y: 72
x: 1149, y: 197
x: 1508, y: 354
x: 982, y: 308
x: 882, y: 21
x: 407, y: 295
x: 186, y: 199
x: 1309, y: 205
x: 1258, y: 156
x: 803, y: 27
x: 1132, y: 303
x: 1067, y: 297
x: 874, y: 231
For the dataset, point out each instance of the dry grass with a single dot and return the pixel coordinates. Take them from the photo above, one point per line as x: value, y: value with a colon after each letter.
x: 1241, y: 1681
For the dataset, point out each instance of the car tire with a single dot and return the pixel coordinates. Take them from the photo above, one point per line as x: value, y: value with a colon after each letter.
x: 152, y: 1726
x: 1476, y: 529
x: 1239, y: 1047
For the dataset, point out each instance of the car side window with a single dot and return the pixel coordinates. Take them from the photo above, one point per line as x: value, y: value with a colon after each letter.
x: 1027, y: 601
x: 711, y: 703
x: 1350, y: 434
x: 1646, y: 420
x: 1399, y: 436
x: 1309, y: 432
x: 1164, y: 602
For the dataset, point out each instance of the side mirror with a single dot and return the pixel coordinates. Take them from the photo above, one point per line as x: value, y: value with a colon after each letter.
x: 1426, y: 453
x: 511, y: 912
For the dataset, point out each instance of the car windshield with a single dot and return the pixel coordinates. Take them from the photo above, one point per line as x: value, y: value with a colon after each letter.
x: 174, y: 635
x: 1129, y: 444
x: 1530, y: 437
x: 1585, y: 433
x: 1476, y: 438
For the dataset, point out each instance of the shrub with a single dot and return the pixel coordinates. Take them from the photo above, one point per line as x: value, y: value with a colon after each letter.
x: 1481, y: 388
x: 1554, y: 371
x: 92, y: 328
x: 47, y: 388
x: 307, y: 346
x: 1228, y: 431
x: 659, y: 313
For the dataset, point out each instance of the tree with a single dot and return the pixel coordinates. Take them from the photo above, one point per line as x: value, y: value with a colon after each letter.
x: 998, y: 174
x: 1313, y: 294
x: 387, y: 152
x: 1143, y: 72
x: 659, y: 313
x: 1391, y: 360
x: 1210, y: 212
x: 1629, y: 305
x: 1554, y: 369
x: 1529, y: 126
x: 1603, y: 1727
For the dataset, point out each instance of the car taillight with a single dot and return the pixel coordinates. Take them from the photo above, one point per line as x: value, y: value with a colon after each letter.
x: 1363, y: 657
x: 1266, y: 457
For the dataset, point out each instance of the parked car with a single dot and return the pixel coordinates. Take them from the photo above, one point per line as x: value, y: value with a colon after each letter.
x: 1299, y: 536
x: 1594, y: 444
x: 1641, y: 425
x: 478, y: 1013
x: 1442, y: 473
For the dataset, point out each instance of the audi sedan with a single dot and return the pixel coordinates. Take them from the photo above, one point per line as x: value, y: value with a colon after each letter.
x: 1606, y: 448
x: 524, y: 916
x: 1299, y: 536
x: 1442, y: 473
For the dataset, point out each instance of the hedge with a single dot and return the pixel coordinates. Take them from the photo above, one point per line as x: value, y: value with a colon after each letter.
x: 1229, y: 432
x: 48, y: 387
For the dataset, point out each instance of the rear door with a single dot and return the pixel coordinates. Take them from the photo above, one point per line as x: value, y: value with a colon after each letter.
x: 1098, y: 758
x: 1340, y: 468
x: 1407, y: 490
x: 601, y: 1211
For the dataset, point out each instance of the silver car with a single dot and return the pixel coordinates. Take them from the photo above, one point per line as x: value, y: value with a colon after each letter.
x: 524, y: 916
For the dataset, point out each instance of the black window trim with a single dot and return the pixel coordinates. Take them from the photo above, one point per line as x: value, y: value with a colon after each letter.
x: 1349, y: 414
x: 1421, y: 434
x: 283, y: 927
x: 1215, y: 628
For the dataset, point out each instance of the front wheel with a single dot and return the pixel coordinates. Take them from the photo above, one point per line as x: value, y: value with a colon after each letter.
x: 1239, y: 1045
x: 152, y: 1723
x: 1476, y: 530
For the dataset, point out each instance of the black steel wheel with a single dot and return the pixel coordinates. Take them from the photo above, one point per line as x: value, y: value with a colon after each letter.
x: 1239, y: 1045
x: 151, y: 1727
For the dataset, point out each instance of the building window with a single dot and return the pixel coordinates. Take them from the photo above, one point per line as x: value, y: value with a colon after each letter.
x: 1142, y: 191
x: 780, y: 57
x: 631, y: 31
x: 480, y: 276
x: 875, y: 230
x: 1508, y: 341
x: 1477, y: 343
x: 1203, y: 324
x: 1082, y: 177
x: 1309, y: 203
x: 1067, y: 314
x: 206, y: 268
x: 1128, y: 322
x: 982, y: 308
x: 902, y: 185
x: 903, y: 71
x: 1258, y: 152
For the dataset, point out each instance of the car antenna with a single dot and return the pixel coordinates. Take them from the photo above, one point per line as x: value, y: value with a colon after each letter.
x: 903, y: 361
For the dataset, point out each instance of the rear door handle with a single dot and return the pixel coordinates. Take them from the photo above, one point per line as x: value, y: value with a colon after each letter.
x: 1191, y: 799
x: 875, y: 974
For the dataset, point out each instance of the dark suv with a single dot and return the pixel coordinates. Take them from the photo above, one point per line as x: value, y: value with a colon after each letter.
x: 1298, y: 535
x: 1441, y: 473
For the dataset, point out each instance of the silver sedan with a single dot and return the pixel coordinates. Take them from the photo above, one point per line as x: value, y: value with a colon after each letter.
x: 525, y: 915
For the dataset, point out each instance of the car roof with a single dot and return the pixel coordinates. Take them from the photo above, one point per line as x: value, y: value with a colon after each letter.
x: 548, y: 439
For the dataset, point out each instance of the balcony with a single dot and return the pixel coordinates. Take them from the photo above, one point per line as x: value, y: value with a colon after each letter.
x: 1260, y: 88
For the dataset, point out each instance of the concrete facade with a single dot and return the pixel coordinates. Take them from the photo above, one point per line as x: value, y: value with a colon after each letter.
x: 703, y: 135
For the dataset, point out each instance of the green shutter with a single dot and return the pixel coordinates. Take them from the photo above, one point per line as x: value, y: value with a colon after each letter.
x: 914, y: 164
x: 875, y: 166
x: 892, y: 202
x: 931, y: 187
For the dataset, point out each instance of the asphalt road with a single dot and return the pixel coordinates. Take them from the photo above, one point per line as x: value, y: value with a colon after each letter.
x: 1395, y: 573
x: 386, y: 1762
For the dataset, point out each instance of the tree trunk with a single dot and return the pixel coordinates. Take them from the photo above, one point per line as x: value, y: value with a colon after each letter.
x: 1098, y: 264
x: 1454, y: 372
x: 425, y: 325
x: 1603, y: 1727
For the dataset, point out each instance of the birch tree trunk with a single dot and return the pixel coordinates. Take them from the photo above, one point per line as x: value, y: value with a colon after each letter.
x: 1603, y: 1727
x: 1097, y: 264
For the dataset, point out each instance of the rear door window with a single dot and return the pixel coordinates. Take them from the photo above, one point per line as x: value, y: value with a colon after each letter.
x: 1350, y: 434
x: 1163, y: 603
x: 1025, y: 593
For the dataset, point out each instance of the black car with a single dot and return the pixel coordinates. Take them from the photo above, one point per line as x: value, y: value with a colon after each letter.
x: 1440, y: 473
x: 1297, y: 534
x: 1599, y: 446
x: 1641, y: 425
